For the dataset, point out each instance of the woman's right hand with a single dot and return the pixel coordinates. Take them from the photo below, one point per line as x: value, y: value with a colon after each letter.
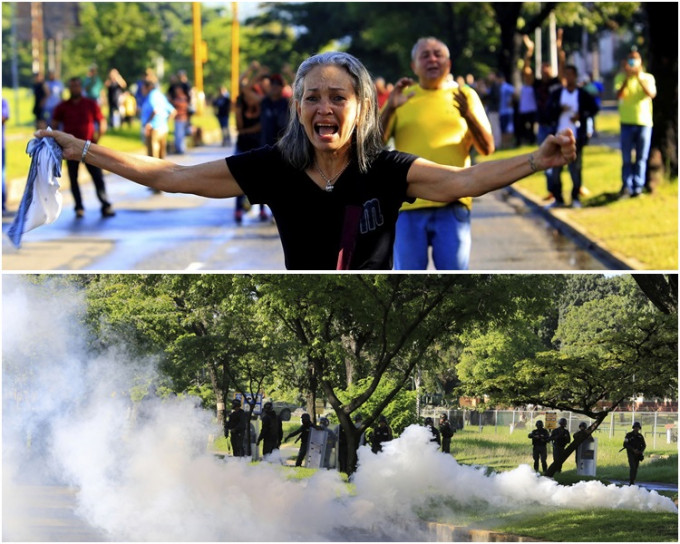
x: 71, y: 146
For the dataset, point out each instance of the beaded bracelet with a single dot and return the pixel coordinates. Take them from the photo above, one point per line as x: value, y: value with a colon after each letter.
x: 85, y: 150
x: 532, y: 163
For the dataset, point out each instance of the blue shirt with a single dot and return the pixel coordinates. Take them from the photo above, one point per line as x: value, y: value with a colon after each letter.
x: 156, y: 103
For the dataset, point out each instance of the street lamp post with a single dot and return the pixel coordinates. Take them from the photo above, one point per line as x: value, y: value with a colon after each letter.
x: 199, y: 57
x: 235, y: 72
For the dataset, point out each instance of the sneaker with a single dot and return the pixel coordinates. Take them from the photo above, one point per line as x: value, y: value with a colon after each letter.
x: 108, y: 211
x: 576, y: 204
x: 80, y: 214
x: 553, y: 205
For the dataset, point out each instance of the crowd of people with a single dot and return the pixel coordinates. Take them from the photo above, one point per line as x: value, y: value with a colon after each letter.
x: 272, y: 437
x: 435, y: 118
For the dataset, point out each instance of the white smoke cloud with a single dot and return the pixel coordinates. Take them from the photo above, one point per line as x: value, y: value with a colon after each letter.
x: 153, y: 480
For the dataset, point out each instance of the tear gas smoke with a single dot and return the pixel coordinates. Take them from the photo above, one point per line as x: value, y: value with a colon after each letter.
x: 66, y: 418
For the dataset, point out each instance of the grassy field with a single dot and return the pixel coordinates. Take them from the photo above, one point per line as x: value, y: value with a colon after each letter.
x: 644, y: 229
x: 499, y: 450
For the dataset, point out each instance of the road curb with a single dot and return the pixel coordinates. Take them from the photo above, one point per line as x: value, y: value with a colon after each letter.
x: 558, y: 218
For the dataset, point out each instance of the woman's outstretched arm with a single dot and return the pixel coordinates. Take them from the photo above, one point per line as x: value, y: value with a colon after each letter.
x: 442, y: 183
x: 211, y: 179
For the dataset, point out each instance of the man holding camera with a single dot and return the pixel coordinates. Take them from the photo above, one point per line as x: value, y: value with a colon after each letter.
x: 635, y: 90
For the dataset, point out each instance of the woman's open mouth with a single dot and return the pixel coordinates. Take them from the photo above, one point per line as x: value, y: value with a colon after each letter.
x: 326, y: 129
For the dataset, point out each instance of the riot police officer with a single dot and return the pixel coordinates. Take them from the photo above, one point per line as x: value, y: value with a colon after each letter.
x: 560, y: 437
x: 634, y: 444
x: 272, y: 429
x: 429, y: 423
x: 446, y: 431
x: 539, y: 440
x: 382, y: 433
x: 237, y: 427
x: 304, y: 431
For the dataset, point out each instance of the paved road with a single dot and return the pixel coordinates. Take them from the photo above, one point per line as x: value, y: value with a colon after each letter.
x: 185, y: 233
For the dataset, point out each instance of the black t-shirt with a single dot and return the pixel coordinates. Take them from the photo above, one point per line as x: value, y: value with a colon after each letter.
x: 310, y: 220
x: 274, y: 119
x: 542, y: 90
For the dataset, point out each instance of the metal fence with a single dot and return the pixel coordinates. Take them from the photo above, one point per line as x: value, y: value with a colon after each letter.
x: 662, y: 426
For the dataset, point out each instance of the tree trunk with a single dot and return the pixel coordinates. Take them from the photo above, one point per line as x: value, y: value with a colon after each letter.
x: 661, y: 290
x: 557, y: 465
x: 219, y: 396
x: 663, y: 65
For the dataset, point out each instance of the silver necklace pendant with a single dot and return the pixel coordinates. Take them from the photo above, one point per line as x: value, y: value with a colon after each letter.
x: 329, y: 187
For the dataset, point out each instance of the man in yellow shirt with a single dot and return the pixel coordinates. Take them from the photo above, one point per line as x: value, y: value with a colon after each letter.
x: 635, y: 90
x: 439, y: 121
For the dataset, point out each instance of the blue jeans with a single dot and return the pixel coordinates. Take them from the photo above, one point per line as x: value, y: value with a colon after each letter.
x: 634, y: 174
x: 446, y: 229
x: 4, y: 187
x: 180, y: 134
x: 575, y: 170
x: 543, y: 132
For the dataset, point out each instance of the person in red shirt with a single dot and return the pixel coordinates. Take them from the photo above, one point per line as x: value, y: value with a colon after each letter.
x: 81, y: 117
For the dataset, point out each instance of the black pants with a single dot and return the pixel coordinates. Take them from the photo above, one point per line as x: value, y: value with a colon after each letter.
x: 97, y: 178
x: 301, y: 455
x: 446, y: 444
x: 633, y: 463
x: 558, y: 453
x: 237, y: 444
x: 540, y: 452
x: 269, y: 446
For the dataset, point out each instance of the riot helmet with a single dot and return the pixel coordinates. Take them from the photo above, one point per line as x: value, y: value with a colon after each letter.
x: 563, y: 421
x: 429, y: 421
x: 582, y: 425
x: 637, y: 425
x: 235, y: 403
x: 539, y: 424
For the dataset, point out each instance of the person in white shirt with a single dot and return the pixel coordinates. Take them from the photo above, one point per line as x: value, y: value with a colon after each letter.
x: 570, y: 107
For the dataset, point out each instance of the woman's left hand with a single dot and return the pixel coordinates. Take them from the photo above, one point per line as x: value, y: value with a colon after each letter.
x: 557, y: 150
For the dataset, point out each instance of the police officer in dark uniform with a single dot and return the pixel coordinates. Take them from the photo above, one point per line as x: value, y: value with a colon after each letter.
x: 237, y: 427
x: 560, y: 437
x: 446, y: 431
x: 272, y: 429
x: 304, y: 432
x: 586, y: 438
x: 539, y: 440
x: 382, y: 433
x: 429, y: 423
x: 634, y: 444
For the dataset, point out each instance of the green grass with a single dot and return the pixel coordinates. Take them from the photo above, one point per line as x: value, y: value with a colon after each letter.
x: 643, y: 229
x: 501, y: 450
x: 600, y: 525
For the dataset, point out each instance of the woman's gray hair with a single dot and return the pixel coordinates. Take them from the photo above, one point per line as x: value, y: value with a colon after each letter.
x: 367, y: 138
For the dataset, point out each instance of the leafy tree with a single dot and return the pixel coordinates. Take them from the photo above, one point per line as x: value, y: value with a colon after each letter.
x: 387, y: 324
x: 122, y: 35
x: 202, y: 325
x: 609, y: 349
